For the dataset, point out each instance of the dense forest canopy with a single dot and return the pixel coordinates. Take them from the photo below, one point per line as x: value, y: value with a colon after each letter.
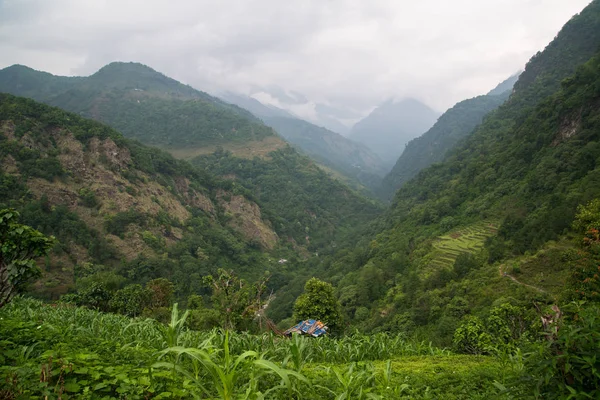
x: 141, y: 103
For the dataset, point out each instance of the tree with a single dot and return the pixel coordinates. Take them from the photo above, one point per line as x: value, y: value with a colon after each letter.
x: 508, y: 323
x: 465, y: 263
x: 95, y: 295
x: 471, y: 337
x: 584, y: 283
x: 318, y: 302
x: 130, y: 301
x: 19, y: 245
x: 235, y: 300
x: 161, y: 292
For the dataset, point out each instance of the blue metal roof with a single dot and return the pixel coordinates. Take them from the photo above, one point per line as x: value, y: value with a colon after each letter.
x: 311, y: 327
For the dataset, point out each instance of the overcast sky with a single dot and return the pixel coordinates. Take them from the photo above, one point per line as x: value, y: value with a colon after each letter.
x: 354, y: 53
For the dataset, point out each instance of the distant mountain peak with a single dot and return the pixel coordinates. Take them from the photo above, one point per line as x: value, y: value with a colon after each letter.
x: 126, y: 66
x: 131, y: 70
x: 393, y: 124
x: 18, y: 67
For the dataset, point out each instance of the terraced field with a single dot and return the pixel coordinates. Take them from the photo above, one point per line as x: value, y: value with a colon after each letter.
x: 466, y: 240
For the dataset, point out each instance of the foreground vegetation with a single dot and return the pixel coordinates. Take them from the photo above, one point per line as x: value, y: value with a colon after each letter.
x: 81, y: 353
x: 61, y: 351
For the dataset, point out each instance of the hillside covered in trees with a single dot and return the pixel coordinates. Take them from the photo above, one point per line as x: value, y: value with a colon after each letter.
x: 120, y: 207
x: 501, y: 205
x: 148, y: 106
x: 357, y: 164
x: 431, y: 147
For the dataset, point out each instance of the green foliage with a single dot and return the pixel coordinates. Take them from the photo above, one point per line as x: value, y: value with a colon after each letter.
x: 130, y: 301
x: 465, y: 263
x: 117, y: 224
x: 319, y: 302
x: 19, y: 246
x: 509, y: 324
x: 161, y: 292
x: 471, y: 337
x: 195, y: 302
x: 95, y: 296
x: 88, y: 198
x: 300, y: 200
x: 567, y: 364
x: 588, y: 217
x: 236, y: 301
x: 80, y: 353
x: 506, y: 327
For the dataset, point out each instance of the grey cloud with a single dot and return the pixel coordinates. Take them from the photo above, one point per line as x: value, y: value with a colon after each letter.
x: 346, y: 54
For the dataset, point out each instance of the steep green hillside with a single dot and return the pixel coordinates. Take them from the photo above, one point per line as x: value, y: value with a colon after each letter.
x: 578, y: 41
x: 116, y: 205
x: 431, y: 147
x: 302, y: 201
x: 357, y: 164
x: 351, y: 159
x: 528, y: 166
x: 128, y: 208
x: 145, y: 105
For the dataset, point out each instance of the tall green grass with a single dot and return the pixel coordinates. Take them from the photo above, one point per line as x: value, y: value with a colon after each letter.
x: 86, y: 354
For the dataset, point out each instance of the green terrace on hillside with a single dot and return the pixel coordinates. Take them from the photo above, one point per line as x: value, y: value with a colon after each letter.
x: 469, y: 240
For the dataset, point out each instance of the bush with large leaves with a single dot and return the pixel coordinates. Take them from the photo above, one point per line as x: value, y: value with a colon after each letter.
x: 19, y: 246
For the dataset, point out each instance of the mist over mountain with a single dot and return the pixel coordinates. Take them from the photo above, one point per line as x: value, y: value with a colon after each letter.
x: 334, y: 117
x: 254, y: 106
x: 392, y: 125
x: 356, y: 163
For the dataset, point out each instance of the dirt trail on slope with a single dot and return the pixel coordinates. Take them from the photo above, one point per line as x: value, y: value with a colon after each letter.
x: 504, y: 273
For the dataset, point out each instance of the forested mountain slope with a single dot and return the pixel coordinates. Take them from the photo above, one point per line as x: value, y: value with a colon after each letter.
x: 513, y: 186
x: 331, y: 149
x: 303, y: 202
x: 353, y: 160
x: 431, y: 147
x: 118, y: 206
x: 146, y: 105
